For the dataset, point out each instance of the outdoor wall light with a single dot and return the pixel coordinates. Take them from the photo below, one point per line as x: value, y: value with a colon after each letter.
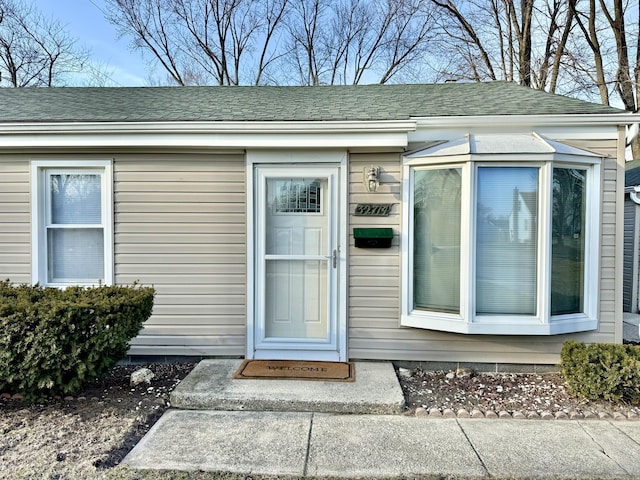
x: 371, y: 178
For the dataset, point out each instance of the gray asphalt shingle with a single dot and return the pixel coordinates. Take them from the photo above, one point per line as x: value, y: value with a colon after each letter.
x: 362, y: 102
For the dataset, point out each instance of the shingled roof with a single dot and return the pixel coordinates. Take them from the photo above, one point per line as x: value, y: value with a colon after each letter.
x: 338, y: 103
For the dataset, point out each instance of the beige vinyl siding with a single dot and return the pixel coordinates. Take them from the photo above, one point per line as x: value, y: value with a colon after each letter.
x: 374, y: 284
x: 374, y: 273
x: 611, y: 240
x: 180, y: 225
x: 608, y: 284
x: 15, y: 220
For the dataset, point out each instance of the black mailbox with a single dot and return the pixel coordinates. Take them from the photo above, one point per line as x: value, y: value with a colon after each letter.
x: 373, y: 237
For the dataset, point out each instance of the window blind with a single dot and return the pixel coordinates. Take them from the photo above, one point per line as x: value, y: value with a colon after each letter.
x: 506, y: 240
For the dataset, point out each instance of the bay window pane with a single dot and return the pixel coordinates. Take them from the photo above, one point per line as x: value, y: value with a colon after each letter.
x: 506, y: 241
x: 76, y: 199
x: 436, y: 240
x: 568, y: 241
x: 75, y: 254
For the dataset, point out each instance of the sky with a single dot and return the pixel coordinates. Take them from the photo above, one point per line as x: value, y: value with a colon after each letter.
x: 85, y: 21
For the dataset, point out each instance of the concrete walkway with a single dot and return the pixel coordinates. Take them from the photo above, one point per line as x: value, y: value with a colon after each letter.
x: 238, y: 436
x: 630, y: 327
x: 383, y: 446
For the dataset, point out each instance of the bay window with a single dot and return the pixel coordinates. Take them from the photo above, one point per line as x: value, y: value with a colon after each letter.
x: 71, y: 223
x: 501, y: 242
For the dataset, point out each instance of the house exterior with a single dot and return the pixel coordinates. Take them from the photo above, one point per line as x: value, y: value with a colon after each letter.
x: 326, y: 223
x: 631, y: 240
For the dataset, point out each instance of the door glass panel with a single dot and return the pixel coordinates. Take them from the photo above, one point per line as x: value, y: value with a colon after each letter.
x: 296, y: 217
x: 296, y: 289
x: 296, y: 293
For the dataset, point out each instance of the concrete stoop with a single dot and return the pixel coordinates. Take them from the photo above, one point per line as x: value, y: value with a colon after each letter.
x: 211, y: 386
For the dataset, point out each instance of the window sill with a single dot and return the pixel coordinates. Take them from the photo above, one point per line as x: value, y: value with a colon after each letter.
x: 498, y: 325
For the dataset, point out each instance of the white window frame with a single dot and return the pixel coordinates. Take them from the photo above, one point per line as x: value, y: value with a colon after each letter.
x: 467, y: 321
x: 40, y: 200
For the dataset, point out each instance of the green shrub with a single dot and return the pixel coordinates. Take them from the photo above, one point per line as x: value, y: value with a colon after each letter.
x: 54, y: 340
x: 601, y: 371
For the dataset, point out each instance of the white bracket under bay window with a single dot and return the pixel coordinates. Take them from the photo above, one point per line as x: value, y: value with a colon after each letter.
x: 501, y: 236
x: 72, y: 222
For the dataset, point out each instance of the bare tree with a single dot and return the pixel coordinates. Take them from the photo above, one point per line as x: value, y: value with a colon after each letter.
x: 604, y: 26
x: 309, y: 42
x: 35, y: 50
x: 624, y: 82
x: 559, y: 24
x: 148, y: 24
x: 203, y: 41
x: 306, y: 44
x: 495, y: 39
x: 408, y: 35
x: 587, y: 23
x: 522, y: 27
x: 457, y: 25
x: 357, y: 41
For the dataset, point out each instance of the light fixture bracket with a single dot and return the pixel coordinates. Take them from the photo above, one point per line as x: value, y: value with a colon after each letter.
x: 371, y: 178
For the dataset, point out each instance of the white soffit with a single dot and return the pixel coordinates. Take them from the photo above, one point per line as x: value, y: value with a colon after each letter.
x: 493, y: 144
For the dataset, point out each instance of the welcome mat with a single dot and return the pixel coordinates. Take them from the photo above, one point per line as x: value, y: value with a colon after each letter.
x: 296, y: 370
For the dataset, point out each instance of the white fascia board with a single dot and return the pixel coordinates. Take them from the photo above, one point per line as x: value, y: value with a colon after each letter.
x: 502, y: 121
x: 208, y: 134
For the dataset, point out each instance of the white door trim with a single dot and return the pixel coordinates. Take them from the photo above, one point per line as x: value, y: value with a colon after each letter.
x: 337, y: 158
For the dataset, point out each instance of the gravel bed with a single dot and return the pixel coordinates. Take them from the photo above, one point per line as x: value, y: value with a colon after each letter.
x: 464, y: 393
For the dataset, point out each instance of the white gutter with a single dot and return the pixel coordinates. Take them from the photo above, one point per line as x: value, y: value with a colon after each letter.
x: 340, y: 134
x: 209, y: 127
x: 518, y: 120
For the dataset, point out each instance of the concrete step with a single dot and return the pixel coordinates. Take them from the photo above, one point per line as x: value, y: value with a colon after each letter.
x: 211, y: 386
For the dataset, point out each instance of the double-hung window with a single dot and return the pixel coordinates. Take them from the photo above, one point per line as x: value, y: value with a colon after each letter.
x: 71, y: 227
x: 501, y: 242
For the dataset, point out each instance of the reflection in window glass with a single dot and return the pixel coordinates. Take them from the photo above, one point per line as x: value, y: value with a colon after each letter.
x: 297, y: 196
x: 506, y: 241
x: 568, y: 241
x: 76, y: 255
x: 75, y: 199
x: 436, y: 245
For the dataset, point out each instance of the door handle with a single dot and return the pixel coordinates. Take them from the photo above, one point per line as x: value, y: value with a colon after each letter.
x: 334, y: 258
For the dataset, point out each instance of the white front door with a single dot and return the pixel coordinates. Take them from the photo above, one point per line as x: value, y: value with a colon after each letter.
x: 296, y: 262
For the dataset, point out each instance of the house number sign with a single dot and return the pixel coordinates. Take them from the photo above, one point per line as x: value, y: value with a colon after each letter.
x: 373, y: 209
